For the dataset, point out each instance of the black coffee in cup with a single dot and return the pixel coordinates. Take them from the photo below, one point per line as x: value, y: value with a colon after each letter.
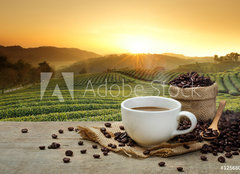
x: 149, y: 108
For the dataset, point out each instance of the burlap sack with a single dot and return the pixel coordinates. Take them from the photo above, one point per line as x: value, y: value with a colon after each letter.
x: 201, y: 101
x: 163, y: 150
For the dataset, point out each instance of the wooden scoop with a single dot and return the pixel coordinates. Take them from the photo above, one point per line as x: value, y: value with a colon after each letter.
x: 214, y: 125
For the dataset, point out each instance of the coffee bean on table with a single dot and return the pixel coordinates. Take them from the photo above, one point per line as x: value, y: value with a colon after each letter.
x: 107, y: 124
x: 66, y: 160
x: 60, y: 131
x: 146, y: 152
x: 180, y: 169
x: 94, y: 146
x: 228, y: 155
x: 121, y: 127
x: 215, y: 153
x: 110, y: 145
x: 97, y: 156
x: 235, y: 153
x: 24, y: 130
x: 42, y: 147
x: 203, y: 158
x: 83, y: 151
x: 55, y: 145
x: 69, y: 153
x: 161, y: 164
x: 80, y: 143
x: 221, y: 159
x: 54, y: 136
x: 70, y: 128
x: 105, y: 153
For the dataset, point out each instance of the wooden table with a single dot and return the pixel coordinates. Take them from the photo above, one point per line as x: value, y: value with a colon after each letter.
x: 19, y: 153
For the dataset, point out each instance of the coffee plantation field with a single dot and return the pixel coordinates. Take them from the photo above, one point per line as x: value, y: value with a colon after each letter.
x: 97, y: 97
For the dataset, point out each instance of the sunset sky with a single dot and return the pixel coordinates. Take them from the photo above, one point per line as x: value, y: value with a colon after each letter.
x: 190, y: 27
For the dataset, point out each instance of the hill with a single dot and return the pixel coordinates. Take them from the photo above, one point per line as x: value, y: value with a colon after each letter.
x: 199, y: 59
x: 208, y: 67
x: 128, y: 61
x: 55, y: 56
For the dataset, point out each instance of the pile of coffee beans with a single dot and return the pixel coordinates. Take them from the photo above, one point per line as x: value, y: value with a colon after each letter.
x: 210, y: 133
x: 190, y: 80
x: 227, y: 142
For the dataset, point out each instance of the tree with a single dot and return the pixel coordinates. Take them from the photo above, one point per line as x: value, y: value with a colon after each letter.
x: 45, y: 67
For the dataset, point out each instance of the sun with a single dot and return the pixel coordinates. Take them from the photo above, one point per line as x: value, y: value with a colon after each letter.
x: 138, y: 46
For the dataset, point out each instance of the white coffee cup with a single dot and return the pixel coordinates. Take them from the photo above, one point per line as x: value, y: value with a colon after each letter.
x: 149, y: 128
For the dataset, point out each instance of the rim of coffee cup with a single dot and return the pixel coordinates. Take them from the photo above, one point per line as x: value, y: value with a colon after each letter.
x: 134, y: 110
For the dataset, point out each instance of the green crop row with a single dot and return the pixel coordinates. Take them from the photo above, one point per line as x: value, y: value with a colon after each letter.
x: 221, y: 86
x: 235, y: 81
x: 35, y: 110
x: 231, y: 89
x: 64, y: 116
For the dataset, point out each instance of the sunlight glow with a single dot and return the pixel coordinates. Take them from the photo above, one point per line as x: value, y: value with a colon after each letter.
x: 138, y: 44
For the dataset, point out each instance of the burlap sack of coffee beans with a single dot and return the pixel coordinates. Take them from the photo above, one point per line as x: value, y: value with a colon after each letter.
x: 201, y: 101
x: 165, y: 149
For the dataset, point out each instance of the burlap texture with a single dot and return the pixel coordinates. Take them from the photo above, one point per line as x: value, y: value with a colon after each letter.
x: 201, y: 101
x: 165, y: 149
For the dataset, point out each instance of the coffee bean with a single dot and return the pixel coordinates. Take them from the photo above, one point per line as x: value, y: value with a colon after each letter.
x: 228, y: 155
x: 66, y: 160
x: 203, y: 158
x: 161, y: 164
x: 180, y: 169
x: 221, y: 159
x: 110, y: 145
x: 114, y: 146
x: 55, y: 145
x: 121, y: 145
x: 146, y: 152
x: 105, y: 153
x: 103, y: 129
x: 42, y: 147
x: 69, y: 153
x: 60, y: 131
x: 107, y: 135
x: 186, y: 146
x: 24, y: 130
x: 70, y: 128
x: 235, y: 153
x: 96, y: 156
x: 83, y: 151
x: 80, y: 143
x: 121, y: 127
x: 215, y: 153
x: 49, y: 147
x: 54, y: 136
x: 107, y: 124
x: 94, y: 146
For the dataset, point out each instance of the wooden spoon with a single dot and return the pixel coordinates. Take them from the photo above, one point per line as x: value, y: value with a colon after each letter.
x: 214, y: 125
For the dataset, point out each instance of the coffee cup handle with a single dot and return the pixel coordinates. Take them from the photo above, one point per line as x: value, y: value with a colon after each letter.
x: 191, y: 117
